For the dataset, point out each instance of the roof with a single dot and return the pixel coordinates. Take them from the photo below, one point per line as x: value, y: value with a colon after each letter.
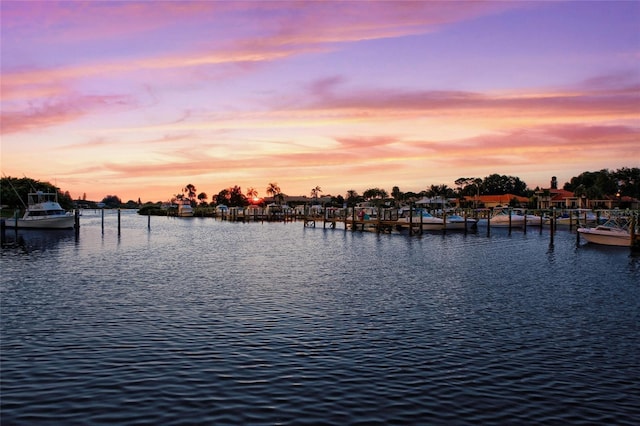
x: 434, y: 200
x: 501, y: 198
x: 561, y: 194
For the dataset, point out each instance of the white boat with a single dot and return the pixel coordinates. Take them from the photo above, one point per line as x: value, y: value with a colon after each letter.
x: 532, y: 219
x: 184, y: 208
x: 43, y: 212
x: 428, y: 221
x: 581, y: 216
x: 457, y: 222
x: 500, y: 218
x: 611, y: 233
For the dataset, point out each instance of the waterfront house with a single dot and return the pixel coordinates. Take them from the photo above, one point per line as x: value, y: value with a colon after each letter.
x: 489, y: 201
x: 558, y: 198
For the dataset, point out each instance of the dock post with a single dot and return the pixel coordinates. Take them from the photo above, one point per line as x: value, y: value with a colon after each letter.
x: 353, y: 219
x: 344, y: 217
x: 524, y: 225
x: 410, y: 219
x: 571, y: 219
x: 118, y: 221
x: 541, y: 220
x: 489, y: 222
x: 577, y: 238
x: 102, y: 211
x: 635, y: 242
x: 76, y: 222
x: 149, y: 222
x: 465, y: 222
x: 3, y: 229
x: 509, y: 220
x: 325, y: 216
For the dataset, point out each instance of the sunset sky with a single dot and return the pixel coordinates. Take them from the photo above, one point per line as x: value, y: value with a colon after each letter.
x: 139, y: 99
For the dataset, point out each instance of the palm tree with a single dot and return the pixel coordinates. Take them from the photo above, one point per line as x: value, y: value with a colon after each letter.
x: 315, y: 192
x: 397, y: 194
x: 376, y: 193
x: 202, y: 197
x: 252, y: 193
x: 274, y: 190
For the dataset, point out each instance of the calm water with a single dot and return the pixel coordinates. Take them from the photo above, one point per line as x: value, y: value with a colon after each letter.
x: 199, y: 321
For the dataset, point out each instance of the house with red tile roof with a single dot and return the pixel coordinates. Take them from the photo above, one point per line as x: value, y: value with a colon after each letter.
x: 488, y: 201
x: 558, y: 198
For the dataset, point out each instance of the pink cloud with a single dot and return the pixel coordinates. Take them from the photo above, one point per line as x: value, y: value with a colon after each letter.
x: 620, y: 100
x: 60, y: 111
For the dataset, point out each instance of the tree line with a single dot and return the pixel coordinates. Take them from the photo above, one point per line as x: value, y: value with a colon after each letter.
x: 595, y: 185
x: 624, y: 182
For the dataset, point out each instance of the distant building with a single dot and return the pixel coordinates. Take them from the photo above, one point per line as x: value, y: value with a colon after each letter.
x: 562, y: 199
x: 487, y: 201
x: 292, y: 200
x: 558, y: 198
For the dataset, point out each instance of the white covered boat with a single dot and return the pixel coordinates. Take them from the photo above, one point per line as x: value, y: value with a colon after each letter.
x: 428, y: 221
x: 457, y: 222
x: 184, y: 208
x: 611, y: 233
x: 532, y: 219
x: 500, y: 218
x: 43, y: 212
x: 581, y: 216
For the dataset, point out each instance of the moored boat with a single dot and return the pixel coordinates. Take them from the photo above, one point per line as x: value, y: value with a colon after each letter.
x: 425, y: 219
x: 503, y: 217
x: 611, y: 233
x: 43, y: 212
x: 532, y: 219
x: 457, y: 222
x: 577, y: 216
x: 184, y: 208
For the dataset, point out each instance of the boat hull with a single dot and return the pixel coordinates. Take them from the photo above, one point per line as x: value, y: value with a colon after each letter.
x: 60, y: 222
x: 428, y: 224
x: 503, y: 222
x: 573, y: 221
x: 432, y: 226
x: 607, y: 237
x: 458, y: 223
x: 536, y: 221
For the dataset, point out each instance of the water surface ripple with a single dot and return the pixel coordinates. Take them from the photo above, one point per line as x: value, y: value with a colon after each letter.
x: 198, y: 321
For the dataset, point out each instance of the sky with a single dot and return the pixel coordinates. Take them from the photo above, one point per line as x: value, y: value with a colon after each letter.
x: 140, y: 98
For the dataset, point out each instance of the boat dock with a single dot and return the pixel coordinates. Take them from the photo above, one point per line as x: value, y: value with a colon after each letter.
x: 389, y: 220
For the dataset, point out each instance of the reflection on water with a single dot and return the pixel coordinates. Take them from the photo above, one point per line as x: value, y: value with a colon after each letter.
x: 29, y: 240
x: 198, y: 321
